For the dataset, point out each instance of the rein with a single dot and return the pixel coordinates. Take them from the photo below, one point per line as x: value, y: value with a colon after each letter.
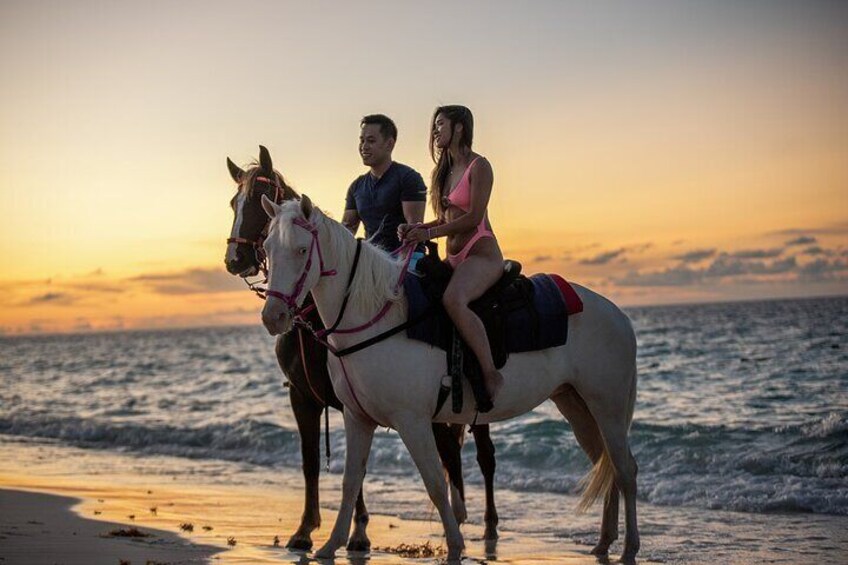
x: 297, y: 313
x: 321, y: 335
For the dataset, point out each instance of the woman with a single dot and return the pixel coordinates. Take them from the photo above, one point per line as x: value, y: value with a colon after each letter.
x: 460, y: 191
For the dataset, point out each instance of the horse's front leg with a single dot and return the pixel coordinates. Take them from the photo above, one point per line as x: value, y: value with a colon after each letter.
x: 358, y: 436
x: 449, y: 443
x: 308, y: 416
x: 417, y: 435
x: 359, y: 540
x: 486, y: 461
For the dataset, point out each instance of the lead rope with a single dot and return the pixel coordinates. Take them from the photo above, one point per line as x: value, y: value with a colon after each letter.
x: 327, y: 433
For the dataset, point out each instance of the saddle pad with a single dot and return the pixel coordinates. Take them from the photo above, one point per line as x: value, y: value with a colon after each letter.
x: 528, y: 329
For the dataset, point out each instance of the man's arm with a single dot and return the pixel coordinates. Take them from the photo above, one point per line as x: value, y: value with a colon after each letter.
x: 413, y: 211
x: 350, y: 220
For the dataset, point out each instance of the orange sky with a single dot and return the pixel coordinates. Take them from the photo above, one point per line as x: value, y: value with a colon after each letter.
x: 669, y: 152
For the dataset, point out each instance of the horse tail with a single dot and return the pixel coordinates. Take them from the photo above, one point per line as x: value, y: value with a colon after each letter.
x: 599, y: 481
x: 596, y: 483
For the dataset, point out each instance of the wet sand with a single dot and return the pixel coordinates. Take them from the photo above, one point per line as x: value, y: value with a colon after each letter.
x: 60, y: 519
x: 38, y: 528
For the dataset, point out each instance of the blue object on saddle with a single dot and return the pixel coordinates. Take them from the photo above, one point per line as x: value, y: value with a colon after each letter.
x: 543, y: 326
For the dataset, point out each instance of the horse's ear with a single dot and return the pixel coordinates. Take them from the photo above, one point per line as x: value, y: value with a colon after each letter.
x: 270, y: 208
x: 235, y: 171
x: 305, y: 206
x: 265, y: 162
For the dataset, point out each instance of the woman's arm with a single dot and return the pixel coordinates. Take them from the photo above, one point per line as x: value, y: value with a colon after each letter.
x: 405, y: 229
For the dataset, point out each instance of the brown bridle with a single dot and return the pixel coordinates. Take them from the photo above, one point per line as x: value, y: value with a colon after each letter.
x: 258, y: 249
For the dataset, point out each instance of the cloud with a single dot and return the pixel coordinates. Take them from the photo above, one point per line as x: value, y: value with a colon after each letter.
x: 603, y: 258
x: 823, y: 269
x: 815, y: 250
x: 803, y: 240
x: 727, y: 266
x: 756, y: 253
x: 192, y: 281
x: 695, y: 255
x: 674, y: 276
x: 640, y: 248
x: 105, y: 288
x: 58, y: 298
x: 840, y: 228
x: 540, y: 258
x: 722, y: 267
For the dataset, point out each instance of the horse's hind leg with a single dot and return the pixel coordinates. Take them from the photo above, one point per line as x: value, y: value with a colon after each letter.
x: 358, y: 436
x: 449, y: 443
x: 486, y: 461
x: 614, y: 433
x: 418, y: 437
x: 625, y: 468
x: 589, y: 437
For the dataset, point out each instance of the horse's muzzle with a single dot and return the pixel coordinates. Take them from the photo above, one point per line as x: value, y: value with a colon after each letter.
x: 275, y: 316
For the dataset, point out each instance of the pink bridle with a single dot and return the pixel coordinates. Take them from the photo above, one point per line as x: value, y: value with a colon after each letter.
x: 290, y: 299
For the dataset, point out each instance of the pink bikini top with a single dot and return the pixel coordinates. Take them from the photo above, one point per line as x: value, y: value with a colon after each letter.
x: 460, y: 196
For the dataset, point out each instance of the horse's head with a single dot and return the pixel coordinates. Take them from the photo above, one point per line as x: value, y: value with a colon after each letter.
x: 295, y: 260
x: 244, y: 247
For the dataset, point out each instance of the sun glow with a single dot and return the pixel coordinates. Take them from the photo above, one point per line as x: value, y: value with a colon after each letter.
x: 686, y: 156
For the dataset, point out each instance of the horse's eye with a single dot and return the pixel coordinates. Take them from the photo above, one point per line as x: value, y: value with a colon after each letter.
x: 302, y: 251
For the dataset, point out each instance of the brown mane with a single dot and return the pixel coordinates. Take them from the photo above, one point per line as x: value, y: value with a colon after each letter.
x: 254, y: 171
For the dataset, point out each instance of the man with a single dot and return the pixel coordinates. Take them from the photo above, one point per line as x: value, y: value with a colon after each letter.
x: 390, y: 193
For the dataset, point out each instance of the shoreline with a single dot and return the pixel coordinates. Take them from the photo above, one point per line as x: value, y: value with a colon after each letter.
x: 253, y: 504
x: 61, y: 519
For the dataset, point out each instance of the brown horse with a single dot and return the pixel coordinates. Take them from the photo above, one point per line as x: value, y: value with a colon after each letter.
x: 304, y: 363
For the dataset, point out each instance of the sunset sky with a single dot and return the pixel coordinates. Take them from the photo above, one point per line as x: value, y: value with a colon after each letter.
x: 658, y: 152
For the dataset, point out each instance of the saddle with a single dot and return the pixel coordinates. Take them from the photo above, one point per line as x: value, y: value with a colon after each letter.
x: 519, y: 314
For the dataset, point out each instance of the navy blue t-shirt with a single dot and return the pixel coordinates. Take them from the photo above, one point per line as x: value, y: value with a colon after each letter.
x: 378, y: 202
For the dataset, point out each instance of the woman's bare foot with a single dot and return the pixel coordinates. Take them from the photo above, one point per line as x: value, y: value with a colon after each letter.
x: 494, y: 382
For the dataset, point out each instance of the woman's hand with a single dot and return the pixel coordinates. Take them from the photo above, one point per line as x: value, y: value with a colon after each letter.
x: 417, y: 234
x: 404, y: 229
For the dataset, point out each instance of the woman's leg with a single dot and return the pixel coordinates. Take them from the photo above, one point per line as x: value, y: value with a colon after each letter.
x: 469, y: 281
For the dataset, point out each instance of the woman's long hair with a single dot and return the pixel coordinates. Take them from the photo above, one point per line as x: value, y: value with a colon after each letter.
x: 455, y: 115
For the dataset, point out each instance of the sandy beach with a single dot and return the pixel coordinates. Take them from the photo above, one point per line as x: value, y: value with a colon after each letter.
x: 52, y: 517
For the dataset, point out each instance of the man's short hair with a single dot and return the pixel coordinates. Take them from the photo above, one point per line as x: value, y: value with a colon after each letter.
x: 388, y: 129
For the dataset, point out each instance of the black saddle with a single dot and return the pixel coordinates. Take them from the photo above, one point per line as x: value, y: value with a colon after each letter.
x: 512, y: 291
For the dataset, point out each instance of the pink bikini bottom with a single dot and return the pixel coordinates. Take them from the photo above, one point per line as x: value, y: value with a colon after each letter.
x: 455, y: 260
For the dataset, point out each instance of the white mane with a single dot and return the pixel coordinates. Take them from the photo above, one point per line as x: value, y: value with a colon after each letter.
x: 377, y: 274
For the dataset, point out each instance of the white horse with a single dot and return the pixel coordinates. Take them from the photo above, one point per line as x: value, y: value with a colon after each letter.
x: 591, y: 379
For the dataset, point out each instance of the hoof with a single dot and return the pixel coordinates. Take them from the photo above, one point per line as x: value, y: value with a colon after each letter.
x: 363, y: 544
x: 326, y: 552
x: 299, y: 543
x: 628, y: 557
x: 601, y: 550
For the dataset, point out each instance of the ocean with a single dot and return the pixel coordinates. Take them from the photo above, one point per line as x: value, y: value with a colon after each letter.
x: 740, y: 429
